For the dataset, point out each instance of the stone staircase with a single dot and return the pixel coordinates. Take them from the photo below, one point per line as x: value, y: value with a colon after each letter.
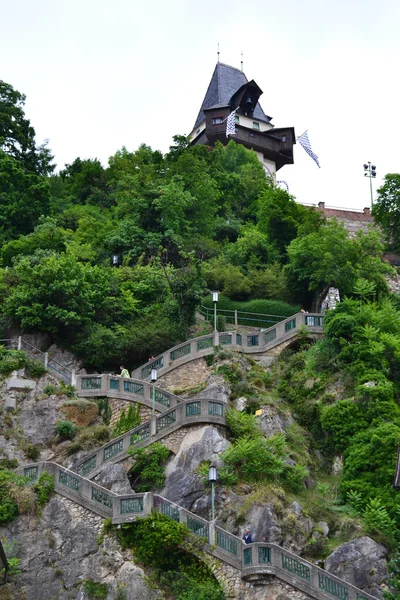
x: 256, y: 562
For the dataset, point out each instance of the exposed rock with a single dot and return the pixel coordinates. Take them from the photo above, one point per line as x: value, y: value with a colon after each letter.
x: 114, y: 478
x: 66, y: 358
x: 321, y: 530
x: 271, y: 422
x: 217, y: 389
x: 360, y: 562
x: 183, y: 485
x: 331, y: 299
x: 59, y: 551
x: 263, y: 521
x: 38, y: 417
x: 337, y: 466
x: 240, y: 403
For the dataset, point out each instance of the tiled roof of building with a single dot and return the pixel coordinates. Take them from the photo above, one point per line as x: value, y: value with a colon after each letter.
x: 224, y: 83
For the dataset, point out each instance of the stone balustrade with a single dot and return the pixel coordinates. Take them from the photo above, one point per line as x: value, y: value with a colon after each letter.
x: 255, y: 560
x: 258, y: 342
x: 123, y: 388
x: 188, y: 412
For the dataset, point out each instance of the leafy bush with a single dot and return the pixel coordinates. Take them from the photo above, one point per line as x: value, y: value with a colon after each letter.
x: 35, y: 368
x: 66, y: 389
x: 127, y: 420
x: 257, y: 459
x: 148, y: 470
x: 8, y: 463
x: 161, y: 543
x: 95, y: 590
x: 44, y: 488
x: 66, y: 430
x: 104, y: 409
x: 294, y: 477
x: 32, y: 452
x: 242, y: 424
x: 11, y: 360
x: 49, y: 390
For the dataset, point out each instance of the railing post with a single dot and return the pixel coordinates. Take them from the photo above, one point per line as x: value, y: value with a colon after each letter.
x: 19, y: 344
x: 153, y: 425
x: 211, y: 533
x: 105, y: 383
x: 236, y: 318
x: 73, y: 377
x: 46, y: 359
x: 215, y: 338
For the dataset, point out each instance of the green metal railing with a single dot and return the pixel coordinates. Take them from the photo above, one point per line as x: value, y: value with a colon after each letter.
x: 140, y: 434
x: 216, y: 409
x: 264, y: 555
x: 170, y: 511
x: 294, y: 566
x: 193, y: 408
x: 69, y: 481
x: 101, y: 497
x: 289, y: 325
x: 226, y: 542
x: 91, y: 383
x: 248, y: 557
x: 113, y: 450
x: 131, y: 505
x: 198, y: 527
x: 333, y: 587
x: 166, y: 420
x: 179, y: 352
x: 155, y: 364
x: 241, y: 317
x: 134, y: 388
x: 205, y: 343
x: 87, y: 466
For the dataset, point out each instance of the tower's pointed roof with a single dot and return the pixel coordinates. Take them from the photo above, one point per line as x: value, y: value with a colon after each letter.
x: 224, y: 83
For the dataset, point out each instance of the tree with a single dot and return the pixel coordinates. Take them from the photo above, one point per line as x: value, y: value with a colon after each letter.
x: 386, y: 210
x: 24, y: 197
x: 329, y: 257
x: 17, y: 136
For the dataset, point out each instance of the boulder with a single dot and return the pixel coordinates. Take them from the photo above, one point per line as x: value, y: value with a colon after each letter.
x: 360, y: 562
x: 217, y: 389
x: 271, y: 422
x: 183, y: 484
x: 114, y: 478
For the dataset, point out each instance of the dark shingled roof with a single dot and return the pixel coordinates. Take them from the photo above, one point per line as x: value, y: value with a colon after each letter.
x: 224, y: 83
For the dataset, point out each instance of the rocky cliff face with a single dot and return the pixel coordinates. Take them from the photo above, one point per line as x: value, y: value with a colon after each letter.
x: 61, y: 550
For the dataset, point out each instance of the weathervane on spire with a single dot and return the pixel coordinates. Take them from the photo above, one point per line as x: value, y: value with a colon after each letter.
x: 241, y: 62
x: 218, y: 52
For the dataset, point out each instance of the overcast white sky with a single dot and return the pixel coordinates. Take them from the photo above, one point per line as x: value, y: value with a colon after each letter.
x: 99, y: 75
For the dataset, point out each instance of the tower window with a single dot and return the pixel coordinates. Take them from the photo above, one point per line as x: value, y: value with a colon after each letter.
x: 256, y: 125
x: 237, y: 120
x: 217, y: 120
x: 197, y: 131
x: 284, y: 138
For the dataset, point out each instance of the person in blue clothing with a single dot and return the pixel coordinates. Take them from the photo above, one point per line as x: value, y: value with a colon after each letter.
x: 247, y: 537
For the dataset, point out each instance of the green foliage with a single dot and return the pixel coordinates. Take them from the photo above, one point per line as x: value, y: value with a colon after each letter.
x: 66, y: 430
x: 8, y: 506
x: 95, y: 590
x: 394, y: 579
x: 164, y: 545
x: 148, y: 470
x: 127, y: 420
x: 268, y: 307
x: 11, y: 549
x: 257, y: 459
x: 44, y: 488
x: 11, y: 360
x: 386, y: 209
x: 377, y: 519
x: 49, y: 390
x: 104, y: 410
x: 242, y: 424
x: 35, y: 368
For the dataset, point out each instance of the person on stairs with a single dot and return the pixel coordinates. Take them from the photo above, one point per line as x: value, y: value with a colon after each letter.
x: 247, y: 537
x: 124, y: 372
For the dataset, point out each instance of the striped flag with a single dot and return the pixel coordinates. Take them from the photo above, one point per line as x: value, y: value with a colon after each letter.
x: 231, y: 123
x: 305, y: 143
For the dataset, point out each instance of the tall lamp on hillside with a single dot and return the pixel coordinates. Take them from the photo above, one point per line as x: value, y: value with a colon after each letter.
x: 215, y: 300
x: 212, y: 478
x: 370, y: 171
x: 153, y: 381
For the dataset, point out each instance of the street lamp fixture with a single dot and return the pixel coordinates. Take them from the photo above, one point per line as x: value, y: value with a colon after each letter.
x: 370, y: 171
x: 115, y: 260
x: 215, y: 300
x: 212, y: 478
x: 153, y: 379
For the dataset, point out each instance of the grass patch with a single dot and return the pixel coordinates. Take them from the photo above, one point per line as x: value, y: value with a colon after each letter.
x: 81, y: 412
x: 279, y: 308
x: 190, y: 391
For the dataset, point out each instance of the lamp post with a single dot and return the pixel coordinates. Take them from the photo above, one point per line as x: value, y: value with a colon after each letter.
x: 370, y: 171
x: 215, y: 300
x: 115, y: 260
x: 153, y: 381
x: 212, y: 478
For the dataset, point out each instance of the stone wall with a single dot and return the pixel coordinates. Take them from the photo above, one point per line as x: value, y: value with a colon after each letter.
x: 186, y: 376
x: 118, y: 405
x: 352, y: 220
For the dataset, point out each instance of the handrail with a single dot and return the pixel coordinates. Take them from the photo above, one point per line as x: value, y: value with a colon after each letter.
x: 255, y: 342
x: 188, y: 412
x: 252, y: 560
